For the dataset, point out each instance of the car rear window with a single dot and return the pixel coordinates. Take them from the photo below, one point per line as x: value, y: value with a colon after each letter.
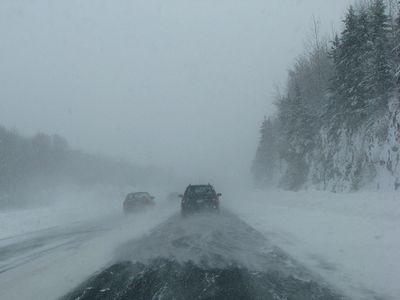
x: 200, y: 190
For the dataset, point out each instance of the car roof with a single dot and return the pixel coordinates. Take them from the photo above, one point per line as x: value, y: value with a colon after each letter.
x: 138, y: 194
x: 199, y: 185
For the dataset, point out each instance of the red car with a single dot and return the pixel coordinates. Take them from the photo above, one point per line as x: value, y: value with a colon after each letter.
x: 137, y: 201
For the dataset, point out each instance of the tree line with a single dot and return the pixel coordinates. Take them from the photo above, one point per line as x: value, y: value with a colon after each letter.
x: 335, y: 89
x: 31, y: 164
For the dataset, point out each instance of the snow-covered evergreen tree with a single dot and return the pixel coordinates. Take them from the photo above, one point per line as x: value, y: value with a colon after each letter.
x: 298, y: 140
x: 335, y: 128
x: 350, y: 65
x: 266, y: 155
x: 396, y: 47
x: 382, y: 78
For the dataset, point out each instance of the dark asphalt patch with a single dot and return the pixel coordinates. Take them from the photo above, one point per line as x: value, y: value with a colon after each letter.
x: 166, y: 279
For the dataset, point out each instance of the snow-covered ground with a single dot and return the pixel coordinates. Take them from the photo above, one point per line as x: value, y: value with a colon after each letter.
x: 45, y: 252
x: 65, y: 205
x: 351, y: 240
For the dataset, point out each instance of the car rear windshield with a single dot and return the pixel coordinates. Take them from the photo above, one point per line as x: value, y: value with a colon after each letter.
x: 203, y: 190
x: 141, y: 194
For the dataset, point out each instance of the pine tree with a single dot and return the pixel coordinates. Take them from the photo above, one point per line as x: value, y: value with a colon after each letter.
x: 382, y: 73
x: 354, y: 90
x: 346, y: 96
x: 333, y: 114
x: 296, y: 137
x: 265, y: 159
x: 396, y: 49
x: 361, y: 65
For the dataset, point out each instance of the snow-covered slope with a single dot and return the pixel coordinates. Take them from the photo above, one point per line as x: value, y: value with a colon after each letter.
x: 368, y: 157
x: 343, y: 158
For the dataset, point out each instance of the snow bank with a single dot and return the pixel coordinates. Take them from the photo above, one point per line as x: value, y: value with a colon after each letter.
x: 351, y: 240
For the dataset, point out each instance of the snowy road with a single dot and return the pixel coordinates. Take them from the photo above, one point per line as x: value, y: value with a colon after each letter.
x: 349, y: 241
x: 25, y: 248
x: 49, y: 263
x: 210, y: 256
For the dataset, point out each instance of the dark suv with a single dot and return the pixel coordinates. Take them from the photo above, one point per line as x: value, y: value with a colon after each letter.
x: 199, y: 198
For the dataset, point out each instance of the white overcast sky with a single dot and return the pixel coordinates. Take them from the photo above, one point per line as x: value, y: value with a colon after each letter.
x: 177, y: 83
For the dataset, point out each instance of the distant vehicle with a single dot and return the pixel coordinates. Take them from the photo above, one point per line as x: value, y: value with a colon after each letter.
x: 172, y: 197
x: 137, y: 201
x: 199, y: 198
